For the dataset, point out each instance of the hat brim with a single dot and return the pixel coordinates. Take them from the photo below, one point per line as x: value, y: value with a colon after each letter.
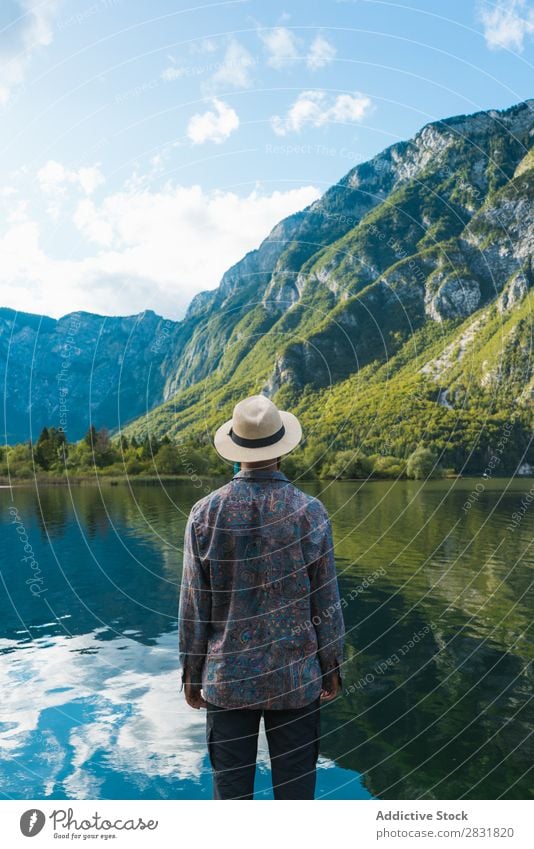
x: 228, y: 449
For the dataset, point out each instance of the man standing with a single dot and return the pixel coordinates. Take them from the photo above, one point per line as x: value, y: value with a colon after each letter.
x: 260, y: 623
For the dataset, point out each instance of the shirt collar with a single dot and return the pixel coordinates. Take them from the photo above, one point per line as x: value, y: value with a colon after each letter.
x: 260, y: 474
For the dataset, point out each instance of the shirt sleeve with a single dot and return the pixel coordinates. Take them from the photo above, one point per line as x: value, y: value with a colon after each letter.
x: 194, y: 613
x: 325, y: 603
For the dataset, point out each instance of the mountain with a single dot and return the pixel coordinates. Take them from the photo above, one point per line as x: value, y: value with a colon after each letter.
x: 80, y: 369
x: 394, y: 311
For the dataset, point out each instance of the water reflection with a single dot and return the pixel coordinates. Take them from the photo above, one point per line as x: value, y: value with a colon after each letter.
x: 437, y: 605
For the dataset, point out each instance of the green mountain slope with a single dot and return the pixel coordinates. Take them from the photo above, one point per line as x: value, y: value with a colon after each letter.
x: 394, y: 311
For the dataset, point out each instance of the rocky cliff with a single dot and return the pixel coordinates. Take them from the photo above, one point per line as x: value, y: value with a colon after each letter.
x: 80, y: 369
x: 422, y: 255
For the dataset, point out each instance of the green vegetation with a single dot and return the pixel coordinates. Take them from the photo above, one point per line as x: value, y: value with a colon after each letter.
x: 52, y: 457
x: 99, y: 456
x: 423, y: 464
x: 371, y: 422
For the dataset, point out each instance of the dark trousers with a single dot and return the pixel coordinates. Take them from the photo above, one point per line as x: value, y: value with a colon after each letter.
x: 293, y: 737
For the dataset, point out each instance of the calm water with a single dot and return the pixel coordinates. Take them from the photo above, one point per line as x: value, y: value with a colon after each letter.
x: 90, y: 687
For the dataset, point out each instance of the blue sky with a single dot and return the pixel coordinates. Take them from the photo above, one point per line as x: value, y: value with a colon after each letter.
x: 147, y: 145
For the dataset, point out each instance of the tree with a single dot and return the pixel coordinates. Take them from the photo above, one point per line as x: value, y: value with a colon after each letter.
x: 195, y: 462
x: 347, y: 464
x: 42, y: 450
x: 61, y: 446
x: 90, y: 436
x: 133, y: 466
x: 50, y: 449
x: 19, y: 460
x: 103, y: 449
x: 388, y: 467
x: 80, y: 456
x: 304, y: 463
x: 168, y: 460
x: 146, y: 449
x: 313, y: 460
x: 422, y: 464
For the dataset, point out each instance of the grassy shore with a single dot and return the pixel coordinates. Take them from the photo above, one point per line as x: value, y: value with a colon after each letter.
x: 116, y: 480
x: 90, y: 479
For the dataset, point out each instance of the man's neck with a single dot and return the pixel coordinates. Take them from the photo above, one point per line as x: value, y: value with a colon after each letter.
x: 265, y: 466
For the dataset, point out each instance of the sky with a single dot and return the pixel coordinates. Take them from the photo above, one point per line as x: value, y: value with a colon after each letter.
x: 147, y: 146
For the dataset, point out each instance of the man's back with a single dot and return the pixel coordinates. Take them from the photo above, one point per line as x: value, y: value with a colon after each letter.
x: 260, y: 615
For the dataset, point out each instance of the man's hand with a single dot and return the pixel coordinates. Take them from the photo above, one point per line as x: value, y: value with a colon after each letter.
x: 332, y: 690
x: 192, y: 694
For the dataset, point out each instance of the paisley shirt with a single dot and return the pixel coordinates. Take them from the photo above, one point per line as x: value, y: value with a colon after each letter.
x: 260, y: 621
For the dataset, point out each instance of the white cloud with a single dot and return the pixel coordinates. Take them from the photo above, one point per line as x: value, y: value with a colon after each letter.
x: 18, y: 211
x: 173, y: 72
x: 214, y: 125
x: 348, y: 108
x: 205, y: 45
x: 138, y: 249
x: 234, y: 70
x: 133, y: 720
x: 507, y: 23
x: 316, y: 108
x: 31, y: 28
x: 321, y: 53
x: 136, y: 721
x: 53, y: 177
x: 281, y: 46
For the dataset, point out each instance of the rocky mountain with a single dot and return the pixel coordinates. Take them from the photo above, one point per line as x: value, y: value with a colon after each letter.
x: 395, y: 310
x: 80, y: 369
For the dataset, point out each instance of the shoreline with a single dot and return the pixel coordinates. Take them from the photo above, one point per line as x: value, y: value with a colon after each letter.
x: 95, y: 480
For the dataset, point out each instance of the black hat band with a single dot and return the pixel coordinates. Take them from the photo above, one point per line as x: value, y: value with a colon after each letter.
x: 257, y: 443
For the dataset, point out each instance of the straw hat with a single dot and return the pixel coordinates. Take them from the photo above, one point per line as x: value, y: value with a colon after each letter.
x: 258, y: 430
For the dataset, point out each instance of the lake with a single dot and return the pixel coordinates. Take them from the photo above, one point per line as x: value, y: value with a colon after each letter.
x: 436, y: 582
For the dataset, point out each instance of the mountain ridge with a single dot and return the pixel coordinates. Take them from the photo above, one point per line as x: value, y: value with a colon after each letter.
x: 410, y: 245
x: 421, y: 254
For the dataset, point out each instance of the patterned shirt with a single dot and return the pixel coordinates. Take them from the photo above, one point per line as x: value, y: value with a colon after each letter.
x: 260, y: 621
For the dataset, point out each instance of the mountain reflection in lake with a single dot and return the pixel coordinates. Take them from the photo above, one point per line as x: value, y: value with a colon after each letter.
x: 437, y: 604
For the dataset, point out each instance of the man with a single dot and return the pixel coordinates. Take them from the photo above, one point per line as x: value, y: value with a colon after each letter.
x: 260, y: 623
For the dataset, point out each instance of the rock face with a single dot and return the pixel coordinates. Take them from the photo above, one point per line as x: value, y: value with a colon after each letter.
x: 430, y: 229
x: 428, y: 233
x: 79, y: 370
x: 454, y: 298
x: 514, y: 292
